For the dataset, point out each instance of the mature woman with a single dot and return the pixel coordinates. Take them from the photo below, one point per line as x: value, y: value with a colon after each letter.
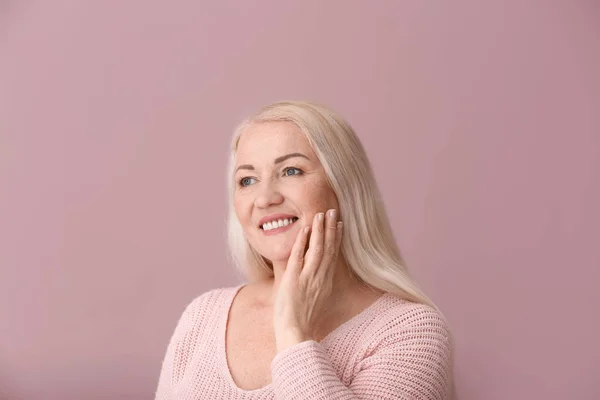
x: 329, y: 310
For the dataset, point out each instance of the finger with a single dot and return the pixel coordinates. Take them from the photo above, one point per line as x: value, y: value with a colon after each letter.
x: 315, y: 248
x: 328, y: 246
x: 338, y: 238
x: 296, y: 259
x: 338, y: 244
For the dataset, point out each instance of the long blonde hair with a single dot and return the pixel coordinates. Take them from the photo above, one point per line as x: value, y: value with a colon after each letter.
x: 368, y: 244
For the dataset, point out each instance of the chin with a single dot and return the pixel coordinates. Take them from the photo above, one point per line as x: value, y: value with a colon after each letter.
x: 273, y: 250
x: 276, y: 256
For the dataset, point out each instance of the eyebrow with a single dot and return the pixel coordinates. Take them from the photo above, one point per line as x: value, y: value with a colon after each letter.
x: 277, y: 161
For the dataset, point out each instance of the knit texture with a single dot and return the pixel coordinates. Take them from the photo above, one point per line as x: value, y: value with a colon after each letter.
x: 394, y: 349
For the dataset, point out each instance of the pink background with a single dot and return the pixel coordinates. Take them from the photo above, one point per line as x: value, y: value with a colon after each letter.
x: 482, y: 123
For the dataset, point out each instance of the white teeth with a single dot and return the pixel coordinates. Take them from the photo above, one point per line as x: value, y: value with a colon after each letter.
x: 278, y: 223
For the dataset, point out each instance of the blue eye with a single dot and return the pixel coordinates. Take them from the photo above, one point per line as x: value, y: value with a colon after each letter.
x: 287, y: 170
x: 245, y: 181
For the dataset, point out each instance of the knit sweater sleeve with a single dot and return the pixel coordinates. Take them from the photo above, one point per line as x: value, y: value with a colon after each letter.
x: 412, y: 360
x: 179, y: 348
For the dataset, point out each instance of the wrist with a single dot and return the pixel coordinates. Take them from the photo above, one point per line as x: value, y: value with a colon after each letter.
x: 291, y: 338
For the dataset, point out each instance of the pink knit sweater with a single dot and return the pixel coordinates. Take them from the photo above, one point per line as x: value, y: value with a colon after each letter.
x: 394, y: 349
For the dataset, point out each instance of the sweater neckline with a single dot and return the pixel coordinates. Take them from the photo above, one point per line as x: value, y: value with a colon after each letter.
x: 222, y: 336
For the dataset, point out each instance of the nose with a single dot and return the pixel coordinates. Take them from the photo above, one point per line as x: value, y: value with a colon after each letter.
x: 267, y: 195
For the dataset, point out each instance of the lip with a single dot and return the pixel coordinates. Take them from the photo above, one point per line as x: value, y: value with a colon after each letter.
x: 272, y: 217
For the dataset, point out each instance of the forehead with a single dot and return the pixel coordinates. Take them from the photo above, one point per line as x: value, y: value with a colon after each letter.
x: 270, y: 140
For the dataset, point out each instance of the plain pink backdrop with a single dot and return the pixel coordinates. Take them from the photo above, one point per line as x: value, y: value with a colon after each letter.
x: 482, y: 122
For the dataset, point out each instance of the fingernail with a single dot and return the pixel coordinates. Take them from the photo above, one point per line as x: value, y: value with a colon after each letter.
x: 339, y: 225
x: 320, y: 217
x: 306, y: 228
x: 332, y: 213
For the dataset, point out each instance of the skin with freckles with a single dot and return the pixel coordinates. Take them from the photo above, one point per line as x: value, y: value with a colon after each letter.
x: 277, y: 172
x: 296, y: 186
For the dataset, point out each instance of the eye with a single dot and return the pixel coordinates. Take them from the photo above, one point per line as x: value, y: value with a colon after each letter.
x: 291, y: 171
x: 245, y: 181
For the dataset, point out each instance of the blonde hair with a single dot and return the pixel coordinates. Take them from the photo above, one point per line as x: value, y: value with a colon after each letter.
x: 368, y: 245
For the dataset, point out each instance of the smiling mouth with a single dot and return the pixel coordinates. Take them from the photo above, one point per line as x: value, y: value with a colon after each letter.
x: 280, y: 223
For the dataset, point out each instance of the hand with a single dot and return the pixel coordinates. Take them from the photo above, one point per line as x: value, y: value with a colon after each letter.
x: 307, y: 282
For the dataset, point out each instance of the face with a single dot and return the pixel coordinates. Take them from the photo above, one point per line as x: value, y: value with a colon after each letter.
x: 278, y: 177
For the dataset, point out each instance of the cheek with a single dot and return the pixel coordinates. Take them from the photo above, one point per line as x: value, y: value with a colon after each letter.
x: 319, y: 197
x: 242, y: 210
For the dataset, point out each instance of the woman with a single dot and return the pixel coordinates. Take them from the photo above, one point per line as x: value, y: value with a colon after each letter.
x: 330, y: 311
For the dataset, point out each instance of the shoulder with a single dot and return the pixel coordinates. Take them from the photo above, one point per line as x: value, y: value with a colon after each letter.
x: 404, y: 314
x: 205, y: 307
x: 403, y: 321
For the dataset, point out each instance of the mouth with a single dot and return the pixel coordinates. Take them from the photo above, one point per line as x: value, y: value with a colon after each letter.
x: 278, y: 225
